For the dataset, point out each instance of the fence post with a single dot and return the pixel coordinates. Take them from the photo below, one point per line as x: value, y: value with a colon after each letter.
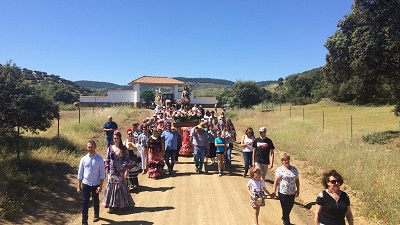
x: 323, y: 119
x: 303, y: 113
x: 351, y: 127
x: 58, y: 126
x: 18, y: 149
x: 79, y: 114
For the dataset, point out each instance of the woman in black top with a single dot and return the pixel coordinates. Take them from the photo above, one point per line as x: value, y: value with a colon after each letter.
x: 332, y: 204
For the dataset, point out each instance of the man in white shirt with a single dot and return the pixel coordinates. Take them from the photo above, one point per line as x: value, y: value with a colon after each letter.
x: 91, y: 175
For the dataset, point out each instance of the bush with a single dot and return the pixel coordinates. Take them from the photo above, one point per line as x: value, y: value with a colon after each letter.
x: 381, y: 137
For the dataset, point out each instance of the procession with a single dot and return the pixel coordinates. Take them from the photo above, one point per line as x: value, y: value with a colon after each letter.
x: 154, y: 146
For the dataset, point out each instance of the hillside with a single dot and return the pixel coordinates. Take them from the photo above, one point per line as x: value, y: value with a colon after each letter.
x: 54, y: 81
x: 99, y: 86
x: 194, y: 83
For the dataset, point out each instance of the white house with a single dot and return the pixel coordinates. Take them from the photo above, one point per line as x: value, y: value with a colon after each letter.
x: 169, y: 87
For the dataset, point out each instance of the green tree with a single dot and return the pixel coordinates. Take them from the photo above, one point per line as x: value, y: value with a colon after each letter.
x: 364, y: 54
x: 280, y: 81
x: 147, y: 96
x: 304, y: 88
x: 65, y: 96
x: 245, y: 94
x: 23, y: 107
x: 226, y: 96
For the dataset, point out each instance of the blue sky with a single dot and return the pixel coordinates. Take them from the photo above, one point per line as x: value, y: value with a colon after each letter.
x: 119, y: 41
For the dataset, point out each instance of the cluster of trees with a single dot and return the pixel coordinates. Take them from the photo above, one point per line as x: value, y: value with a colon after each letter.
x: 23, y: 107
x: 362, y: 64
x: 244, y: 94
x: 59, y: 89
x: 100, y: 88
x: 205, y: 80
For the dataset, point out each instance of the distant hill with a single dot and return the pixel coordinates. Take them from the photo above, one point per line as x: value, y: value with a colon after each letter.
x: 98, y: 86
x: 201, y: 83
x: 200, y: 86
x: 54, y: 81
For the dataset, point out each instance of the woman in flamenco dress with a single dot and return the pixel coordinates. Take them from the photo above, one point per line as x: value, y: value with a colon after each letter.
x: 155, y: 162
x: 187, y: 147
x: 116, y: 195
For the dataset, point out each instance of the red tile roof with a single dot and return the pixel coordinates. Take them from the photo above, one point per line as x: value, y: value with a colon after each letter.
x: 155, y: 80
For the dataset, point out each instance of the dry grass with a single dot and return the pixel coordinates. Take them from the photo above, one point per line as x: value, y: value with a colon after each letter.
x: 333, y: 142
x: 90, y: 126
x: 47, y: 161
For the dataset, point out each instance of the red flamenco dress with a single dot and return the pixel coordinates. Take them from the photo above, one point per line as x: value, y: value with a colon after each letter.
x: 187, y: 146
x: 156, y: 157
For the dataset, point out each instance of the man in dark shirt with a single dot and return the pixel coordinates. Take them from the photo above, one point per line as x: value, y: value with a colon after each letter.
x: 263, y: 152
x: 109, y: 127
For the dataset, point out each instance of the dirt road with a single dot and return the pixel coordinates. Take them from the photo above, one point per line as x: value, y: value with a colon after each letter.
x: 191, y: 198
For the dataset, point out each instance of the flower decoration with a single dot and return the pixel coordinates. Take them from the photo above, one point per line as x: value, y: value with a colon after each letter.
x: 195, y: 115
x: 179, y: 116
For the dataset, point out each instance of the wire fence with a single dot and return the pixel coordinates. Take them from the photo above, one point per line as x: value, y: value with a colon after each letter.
x: 354, y: 120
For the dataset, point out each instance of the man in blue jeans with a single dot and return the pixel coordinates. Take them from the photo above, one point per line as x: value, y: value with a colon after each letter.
x: 199, y: 138
x: 91, y: 175
x: 170, y: 144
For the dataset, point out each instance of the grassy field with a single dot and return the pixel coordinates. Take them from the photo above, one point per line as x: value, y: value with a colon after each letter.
x: 47, y: 161
x: 330, y: 135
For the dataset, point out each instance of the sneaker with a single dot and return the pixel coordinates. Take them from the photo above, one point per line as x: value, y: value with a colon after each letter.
x: 96, y: 218
x: 220, y: 174
x: 197, y: 170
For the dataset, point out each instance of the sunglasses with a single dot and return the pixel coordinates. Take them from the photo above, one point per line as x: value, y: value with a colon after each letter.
x: 334, y: 181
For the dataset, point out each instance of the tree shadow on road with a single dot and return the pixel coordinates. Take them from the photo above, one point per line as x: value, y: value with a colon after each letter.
x: 139, y: 209
x: 306, y: 206
x: 151, y: 189
x: 138, y: 222
x: 48, y: 192
x: 191, y: 162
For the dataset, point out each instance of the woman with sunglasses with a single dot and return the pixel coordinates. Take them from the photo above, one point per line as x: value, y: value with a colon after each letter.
x: 117, y: 195
x: 332, y: 204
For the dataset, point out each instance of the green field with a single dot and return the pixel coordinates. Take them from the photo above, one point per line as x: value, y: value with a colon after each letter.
x: 330, y: 135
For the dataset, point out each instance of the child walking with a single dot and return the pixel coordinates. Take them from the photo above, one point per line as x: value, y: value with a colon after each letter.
x: 221, y: 150
x: 256, y: 186
x: 131, y: 175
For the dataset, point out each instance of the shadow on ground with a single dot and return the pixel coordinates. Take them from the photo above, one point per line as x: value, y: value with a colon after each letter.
x: 43, y: 189
x: 50, y: 195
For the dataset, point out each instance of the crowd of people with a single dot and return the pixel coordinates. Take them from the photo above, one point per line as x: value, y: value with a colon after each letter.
x: 155, y: 142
